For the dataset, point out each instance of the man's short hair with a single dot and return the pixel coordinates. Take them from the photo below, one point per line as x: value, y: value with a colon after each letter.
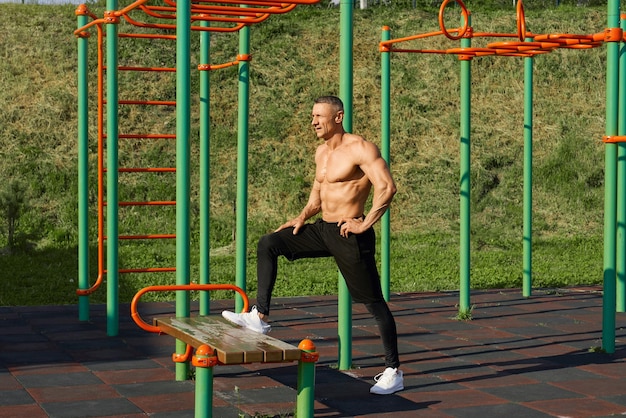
x: 331, y: 100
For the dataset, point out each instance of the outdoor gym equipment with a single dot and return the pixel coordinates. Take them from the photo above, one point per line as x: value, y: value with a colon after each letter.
x: 145, y: 21
x: 527, y: 45
x: 218, y: 342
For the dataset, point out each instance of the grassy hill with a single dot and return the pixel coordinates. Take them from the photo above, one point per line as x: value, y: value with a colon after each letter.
x: 295, y: 59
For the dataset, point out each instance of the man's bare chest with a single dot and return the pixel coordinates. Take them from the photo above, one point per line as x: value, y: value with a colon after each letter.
x: 337, y: 167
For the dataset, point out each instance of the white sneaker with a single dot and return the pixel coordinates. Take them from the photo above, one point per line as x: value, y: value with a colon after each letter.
x: 388, y: 382
x: 248, y: 320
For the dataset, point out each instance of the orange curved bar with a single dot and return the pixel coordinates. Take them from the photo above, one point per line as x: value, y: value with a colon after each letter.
x: 521, y: 21
x: 524, y: 46
x: 79, y: 31
x: 388, y: 44
x: 186, y: 287
x: 130, y: 7
x: 442, y: 26
x: 273, y: 8
x: 235, y: 28
x: 100, y: 121
x: 183, y: 358
x: 209, y: 67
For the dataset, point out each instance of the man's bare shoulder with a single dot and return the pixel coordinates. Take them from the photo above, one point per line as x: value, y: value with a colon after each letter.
x: 361, y: 147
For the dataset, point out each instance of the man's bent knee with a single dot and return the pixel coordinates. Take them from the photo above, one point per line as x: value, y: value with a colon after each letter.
x: 270, y: 243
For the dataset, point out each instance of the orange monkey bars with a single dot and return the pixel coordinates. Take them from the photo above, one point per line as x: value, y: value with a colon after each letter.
x: 539, y: 43
x: 233, y: 14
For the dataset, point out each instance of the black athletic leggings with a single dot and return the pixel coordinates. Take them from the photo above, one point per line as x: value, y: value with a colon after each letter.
x: 355, y: 257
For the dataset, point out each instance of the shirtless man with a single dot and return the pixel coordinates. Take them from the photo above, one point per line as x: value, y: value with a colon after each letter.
x: 347, y: 166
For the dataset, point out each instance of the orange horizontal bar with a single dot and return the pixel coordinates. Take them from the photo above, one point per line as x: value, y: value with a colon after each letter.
x: 611, y: 139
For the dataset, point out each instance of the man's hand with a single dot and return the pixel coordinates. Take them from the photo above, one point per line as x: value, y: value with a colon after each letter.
x: 350, y: 226
x: 296, y: 223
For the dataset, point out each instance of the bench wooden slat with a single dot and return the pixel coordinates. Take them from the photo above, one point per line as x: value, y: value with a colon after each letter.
x: 232, y: 344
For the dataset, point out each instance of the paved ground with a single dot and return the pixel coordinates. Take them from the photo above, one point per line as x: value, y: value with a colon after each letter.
x: 518, y: 357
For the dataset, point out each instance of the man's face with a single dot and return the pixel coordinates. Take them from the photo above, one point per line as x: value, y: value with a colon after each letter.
x: 326, y: 120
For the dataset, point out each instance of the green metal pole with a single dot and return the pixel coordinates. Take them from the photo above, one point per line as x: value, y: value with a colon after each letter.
x: 205, y: 174
x: 385, y: 139
x: 344, y: 300
x: 112, y: 176
x: 183, y: 128
x: 610, y: 184
x: 465, y: 156
x: 306, y: 381
x: 83, y: 171
x: 620, y: 288
x: 528, y: 176
x: 203, y: 405
x: 242, y: 166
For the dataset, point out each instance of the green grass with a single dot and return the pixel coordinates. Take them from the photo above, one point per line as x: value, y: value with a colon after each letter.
x: 295, y: 59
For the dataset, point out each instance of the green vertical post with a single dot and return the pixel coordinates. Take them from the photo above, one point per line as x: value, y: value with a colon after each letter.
x: 183, y: 128
x: 306, y: 380
x: 620, y: 287
x: 385, y: 140
x: 465, y: 187
x: 112, y: 218
x: 83, y: 169
x: 205, y: 173
x: 242, y: 166
x: 610, y: 185
x: 203, y: 405
x: 528, y: 177
x: 344, y: 300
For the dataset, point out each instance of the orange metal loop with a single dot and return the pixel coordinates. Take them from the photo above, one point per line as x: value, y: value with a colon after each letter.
x: 521, y: 21
x: 244, y: 57
x: 442, y: 25
x: 187, y: 287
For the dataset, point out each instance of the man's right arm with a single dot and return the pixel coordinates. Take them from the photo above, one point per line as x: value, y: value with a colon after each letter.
x: 312, y: 208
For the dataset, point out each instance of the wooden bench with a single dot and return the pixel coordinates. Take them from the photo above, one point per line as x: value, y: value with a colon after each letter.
x: 219, y: 342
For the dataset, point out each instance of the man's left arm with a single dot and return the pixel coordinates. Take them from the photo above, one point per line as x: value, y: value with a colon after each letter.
x: 375, y: 168
x: 384, y: 190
